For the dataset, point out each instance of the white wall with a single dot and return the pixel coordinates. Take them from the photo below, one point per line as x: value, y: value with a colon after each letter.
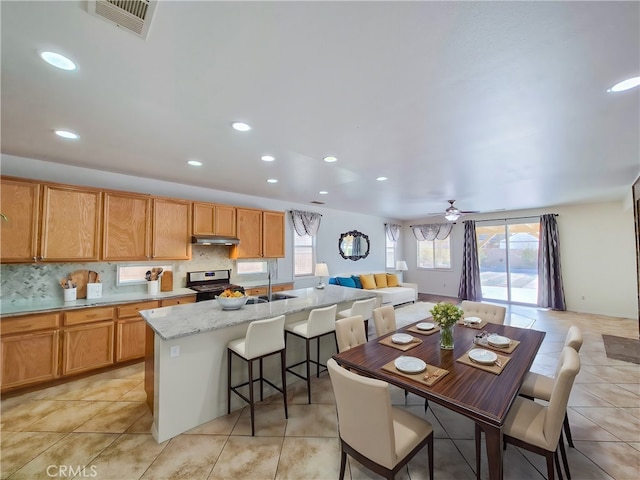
x: 597, y: 248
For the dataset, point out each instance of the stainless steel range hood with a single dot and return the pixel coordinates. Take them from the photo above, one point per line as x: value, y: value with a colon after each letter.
x: 214, y: 240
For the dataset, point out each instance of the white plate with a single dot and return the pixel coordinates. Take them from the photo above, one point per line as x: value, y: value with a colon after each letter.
x: 498, y: 341
x: 485, y: 357
x: 425, y: 326
x: 401, y: 338
x: 410, y: 364
x: 472, y: 320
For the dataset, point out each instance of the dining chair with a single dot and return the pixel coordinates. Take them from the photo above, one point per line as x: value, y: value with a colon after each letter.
x: 536, y: 427
x: 321, y: 322
x: 540, y: 386
x: 486, y: 311
x: 380, y: 436
x: 384, y: 320
x: 361, y: 307
x: 350, y: 332
x: 263, y: 338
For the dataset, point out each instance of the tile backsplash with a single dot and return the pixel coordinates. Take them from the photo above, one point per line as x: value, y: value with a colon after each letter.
x: 40, y: 281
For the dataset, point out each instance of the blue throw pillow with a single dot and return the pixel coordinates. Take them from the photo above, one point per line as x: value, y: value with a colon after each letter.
x: 333, y: 281
x: 346, y: 282
x: 356, y: 280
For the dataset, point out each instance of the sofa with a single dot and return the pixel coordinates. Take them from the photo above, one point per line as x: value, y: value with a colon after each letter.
x: 386, y: 285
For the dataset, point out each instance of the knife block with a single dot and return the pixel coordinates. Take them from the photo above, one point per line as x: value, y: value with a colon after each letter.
x: 166, y: 281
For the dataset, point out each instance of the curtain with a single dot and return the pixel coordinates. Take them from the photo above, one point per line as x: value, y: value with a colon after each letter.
x: 550, y: 289
x: 432, y: 231
x: 393, y: 231
x: 470, y: 285
x: 305, y: 223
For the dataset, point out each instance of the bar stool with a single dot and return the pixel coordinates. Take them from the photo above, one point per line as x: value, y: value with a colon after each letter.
x: 321, y: 322
x: 264, y: 338
x: 361, y: 307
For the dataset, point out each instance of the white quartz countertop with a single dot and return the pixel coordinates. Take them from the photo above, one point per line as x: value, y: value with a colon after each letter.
x: 40, y: 306
x: 183, y: 320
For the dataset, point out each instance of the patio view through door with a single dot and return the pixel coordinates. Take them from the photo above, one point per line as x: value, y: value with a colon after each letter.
x: 508, y: 257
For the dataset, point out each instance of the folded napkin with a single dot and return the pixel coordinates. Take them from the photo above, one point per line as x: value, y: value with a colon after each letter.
x: 400, y: 346
x: 415, y: 329
x: 489, y: 368
x: 429, y: 377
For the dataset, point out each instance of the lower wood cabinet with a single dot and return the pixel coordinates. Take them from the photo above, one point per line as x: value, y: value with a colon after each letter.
x: 29, y: 358
x: 130, y: 339
x: 87, y: 347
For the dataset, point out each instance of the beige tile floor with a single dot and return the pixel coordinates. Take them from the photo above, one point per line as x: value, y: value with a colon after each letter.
x: 98, y: 427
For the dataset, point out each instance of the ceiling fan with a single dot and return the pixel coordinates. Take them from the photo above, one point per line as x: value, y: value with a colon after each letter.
x: 452, y: 213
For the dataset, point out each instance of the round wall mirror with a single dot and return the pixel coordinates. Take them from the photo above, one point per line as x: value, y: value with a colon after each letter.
x: 353, y: 245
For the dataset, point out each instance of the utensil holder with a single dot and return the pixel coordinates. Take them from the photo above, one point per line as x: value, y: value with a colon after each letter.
x: 70, y: 294
x: 152, y: 287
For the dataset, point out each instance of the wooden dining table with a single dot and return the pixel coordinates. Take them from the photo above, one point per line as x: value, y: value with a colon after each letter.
x: 480, y: 395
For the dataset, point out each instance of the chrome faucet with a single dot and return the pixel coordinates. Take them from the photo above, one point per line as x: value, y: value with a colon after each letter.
x: 269, y: 264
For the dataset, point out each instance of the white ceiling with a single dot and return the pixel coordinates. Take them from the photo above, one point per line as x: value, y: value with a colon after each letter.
x: 500, y: 105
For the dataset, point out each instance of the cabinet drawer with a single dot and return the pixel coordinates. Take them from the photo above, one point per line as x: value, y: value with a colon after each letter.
x: 133, y: 309
x: 30, y: 323
x: 88, y: 315
x: 280, y: 288
x: 256, y: 291
x: 170, y: 302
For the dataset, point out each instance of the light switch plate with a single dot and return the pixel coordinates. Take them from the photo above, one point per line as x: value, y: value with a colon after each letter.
x: 174, y: 351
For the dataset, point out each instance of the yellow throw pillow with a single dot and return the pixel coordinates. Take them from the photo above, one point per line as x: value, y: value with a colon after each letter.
x: 392, y: 280
x: 381, y: 280
x: 368, y: 282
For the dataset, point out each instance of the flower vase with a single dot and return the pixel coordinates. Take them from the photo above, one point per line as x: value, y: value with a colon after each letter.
x: 446, y: 337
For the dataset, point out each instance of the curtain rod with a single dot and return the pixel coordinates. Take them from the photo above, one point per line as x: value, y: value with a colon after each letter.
x: 513, y: 218
x: 505, y: 219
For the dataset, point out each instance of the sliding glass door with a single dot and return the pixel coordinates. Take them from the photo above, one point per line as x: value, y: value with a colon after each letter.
x: 508, y: 257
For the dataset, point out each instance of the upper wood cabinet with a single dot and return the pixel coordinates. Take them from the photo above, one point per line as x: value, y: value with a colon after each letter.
x: 261, y: 234
x: 71, y: 224
x: 171, y: 237
x: 273, y: 234
x: 212, y: 219
x: 20, y: 203
x: 126, y: 226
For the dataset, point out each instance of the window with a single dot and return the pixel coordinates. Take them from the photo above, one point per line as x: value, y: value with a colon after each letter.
x: 135, y: 274
x: 304, y: 248
x: 390, y: 255
x: 433, y: 254
x: 251, y: 267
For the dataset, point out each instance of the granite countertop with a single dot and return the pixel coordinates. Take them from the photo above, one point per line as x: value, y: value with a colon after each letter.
x: 41, y: 306
x: 175, y: 322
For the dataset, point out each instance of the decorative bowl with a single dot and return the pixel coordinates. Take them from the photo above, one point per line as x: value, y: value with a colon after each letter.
x: 232, y: 303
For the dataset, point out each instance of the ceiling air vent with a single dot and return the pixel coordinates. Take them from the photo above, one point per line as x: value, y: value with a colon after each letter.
x: 316, y: 202
x: 132, y: 15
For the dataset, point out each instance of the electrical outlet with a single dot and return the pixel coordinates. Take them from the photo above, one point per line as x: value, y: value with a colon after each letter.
x: 174, y: 351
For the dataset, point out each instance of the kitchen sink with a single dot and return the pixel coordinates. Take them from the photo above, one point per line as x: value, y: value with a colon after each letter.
x: 265, y: 298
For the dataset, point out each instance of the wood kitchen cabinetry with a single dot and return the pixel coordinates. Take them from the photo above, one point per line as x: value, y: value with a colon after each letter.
x: 261, y: 234
x: 19, y: 233
x: 29, y: 349
x: 130, y: 330
x: 87, y: 339
x: 71, y: 224
x: 126, y: 227
x: 262, y: 290
x: 171, y: 229
x: 213, y: 219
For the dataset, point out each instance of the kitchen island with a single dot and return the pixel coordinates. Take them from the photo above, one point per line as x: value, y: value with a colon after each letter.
x: 185, y: 364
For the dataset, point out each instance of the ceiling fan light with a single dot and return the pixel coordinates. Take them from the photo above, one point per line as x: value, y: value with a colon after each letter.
x: 452, y: 214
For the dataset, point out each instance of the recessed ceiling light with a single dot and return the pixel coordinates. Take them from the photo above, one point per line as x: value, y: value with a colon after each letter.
x: 381, y: 179
x: 272, y: 180
x: 625, y: 85
x: 330, y: 159
x: 267, y: 158
x: 241, y: 127
x: 67, y: 134
x: 58, y: 61
x: 323, y: 192
x: 195, y: 163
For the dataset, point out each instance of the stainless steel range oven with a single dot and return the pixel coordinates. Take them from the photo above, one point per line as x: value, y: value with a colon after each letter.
x: 210, y: 283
